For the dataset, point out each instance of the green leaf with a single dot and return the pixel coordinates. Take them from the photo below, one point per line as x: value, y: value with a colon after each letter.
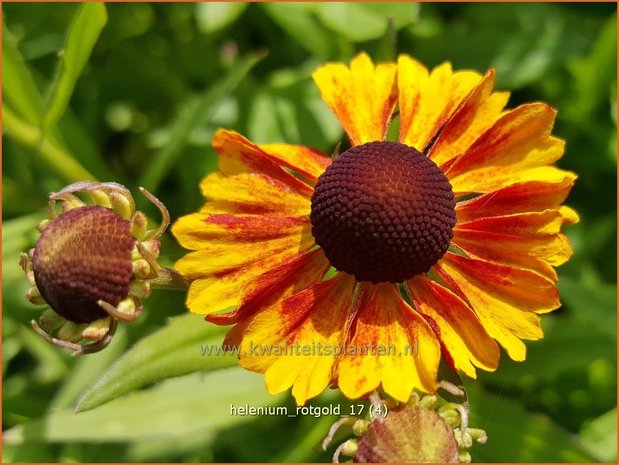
x: 87, y: 370
x: 50, y: 152
x: 289, y: 108
x: 300, y: 23
x: 592, y: 303
x: 172, y: 351
x: 213, y: 16
x: 192, y: 408
x: 516, y: 435
x: 359, y: 25
x: 81, y: 38
x: 360, y: 22
x: 592, y: 73
x: 197, y: 114
x: 18, y: 88
x: 600, y: 437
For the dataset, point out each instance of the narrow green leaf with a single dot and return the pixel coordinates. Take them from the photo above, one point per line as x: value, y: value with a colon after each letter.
x: 592, y: 73
x: 192, y: 407
x: 196, y: 115
x: 174, y: 350
x: 18, y: 88
x: 81, y: 38
x: 22, y: 95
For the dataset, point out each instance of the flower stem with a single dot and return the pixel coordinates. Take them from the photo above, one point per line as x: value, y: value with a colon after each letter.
x: 167, y: 278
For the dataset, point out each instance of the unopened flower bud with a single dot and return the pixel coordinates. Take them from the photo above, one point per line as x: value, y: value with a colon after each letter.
x: 92, y: 264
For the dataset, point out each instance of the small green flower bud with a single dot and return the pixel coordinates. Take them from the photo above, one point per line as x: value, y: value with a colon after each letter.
x: 464, y: 456
x: 452, y: 417
x: 464, y: 440
x: 478, y: 435
x: 429, y: 402
x: 349, y: 448
x: 360, y: 427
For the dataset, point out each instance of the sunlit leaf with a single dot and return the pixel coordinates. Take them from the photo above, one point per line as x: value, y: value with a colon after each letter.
x: 599, y: 437
x: 18, y: 88
x: 175, y: 350
x: 81, y: 38
x: 360, y: 22
x: 87, y: 370
x: 213, y: 16
x: 196, y: 406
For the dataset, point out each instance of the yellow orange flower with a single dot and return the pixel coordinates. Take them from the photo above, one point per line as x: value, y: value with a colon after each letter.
x: 361, y: 272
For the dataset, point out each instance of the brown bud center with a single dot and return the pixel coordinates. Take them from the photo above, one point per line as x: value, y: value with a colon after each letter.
x: 82, y: 257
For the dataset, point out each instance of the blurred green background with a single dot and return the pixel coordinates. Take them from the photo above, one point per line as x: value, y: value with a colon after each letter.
x: 135, y: 98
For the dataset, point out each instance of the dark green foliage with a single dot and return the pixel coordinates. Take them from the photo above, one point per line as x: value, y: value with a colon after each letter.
x: 141, y: 107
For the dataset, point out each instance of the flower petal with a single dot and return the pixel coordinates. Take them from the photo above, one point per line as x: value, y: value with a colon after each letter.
x: 517, y: 144
x: 391, y: 345
x: 306, y: 161
x: 523, y: 224
x: 536, y: 253
x: 294, y: 337
x: 275, y: 285
x: 199, y: 229
x: 506, y: 299
x: 532, y: 196
x: 219, y: 271
x: 463, y: 338
x: 478, y: 112
x: 531, y: 240
x: 254, y: 193
x: 362, y: 97
x: 238, y: 155
x: 427, y: 101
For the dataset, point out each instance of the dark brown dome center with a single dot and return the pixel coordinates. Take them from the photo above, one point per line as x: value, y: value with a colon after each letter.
x: 383, y: 212
x: 82, y: 257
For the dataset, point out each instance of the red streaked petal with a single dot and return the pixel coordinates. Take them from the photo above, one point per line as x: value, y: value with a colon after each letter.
x: 197, y: 229
x: 428, y: 100
x: 517, y: 143
x: 275, y: 285
x: 219, y: 272
x: 537, y: 253
x: 362, y: 97
x: 306, y: 161
x: 532, y: 196
x: 525, y: 224
x: 220, y: 257
x: 506, y: 299
x: 238, y: 155
x: 462, y: 335
x: 410, y: 351
x: 254, y: 193
x: 285, y: 340
x: 478, y: 112
x: 529, y: 240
